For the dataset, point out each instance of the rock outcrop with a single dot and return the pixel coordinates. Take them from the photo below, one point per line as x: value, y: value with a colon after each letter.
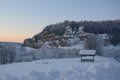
x: 69, y: 38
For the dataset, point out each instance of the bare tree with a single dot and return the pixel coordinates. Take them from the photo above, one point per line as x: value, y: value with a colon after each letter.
x: 7, y: 54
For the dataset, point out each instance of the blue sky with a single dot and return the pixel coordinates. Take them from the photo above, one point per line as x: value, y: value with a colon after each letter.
x: 20, y: 19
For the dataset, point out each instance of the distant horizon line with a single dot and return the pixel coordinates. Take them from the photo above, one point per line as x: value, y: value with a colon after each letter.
x: 11, y: 42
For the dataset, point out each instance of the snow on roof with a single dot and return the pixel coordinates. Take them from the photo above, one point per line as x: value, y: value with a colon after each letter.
x: 89, y: 52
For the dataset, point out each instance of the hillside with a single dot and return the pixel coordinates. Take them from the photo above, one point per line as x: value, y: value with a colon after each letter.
x: 3, y: 44
x: 56, y: 31
x: 65, y: 40
x: 62, y: 69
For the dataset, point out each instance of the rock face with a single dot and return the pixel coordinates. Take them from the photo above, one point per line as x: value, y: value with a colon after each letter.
x: 27, y: 42
x: 31, y: 43
x: 106, y: 39
x: 54, y: 40
x: 69, y: 38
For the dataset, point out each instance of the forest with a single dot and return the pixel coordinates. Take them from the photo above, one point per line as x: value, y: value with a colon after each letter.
x: 110, y: 27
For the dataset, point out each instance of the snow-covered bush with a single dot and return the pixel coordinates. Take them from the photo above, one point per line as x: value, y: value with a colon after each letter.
x: 54, y: 52
x: 45, y: 52
x: 99, y: 44
x: 25, y: 54
x: 7, y: 54
x: 111, y: 51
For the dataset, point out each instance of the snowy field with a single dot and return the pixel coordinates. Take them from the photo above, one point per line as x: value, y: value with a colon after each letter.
x: 62, y: 69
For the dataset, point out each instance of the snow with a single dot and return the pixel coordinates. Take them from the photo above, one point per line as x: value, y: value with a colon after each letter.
x: 87, y: 52
x: 74, y: 47
x: 87, y: 57
x: 111, y: 51
x: 28, y: 49
x: 62, y: 69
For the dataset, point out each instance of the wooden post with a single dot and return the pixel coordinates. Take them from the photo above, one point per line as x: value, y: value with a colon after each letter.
x: 81, y: 58
x: 93, y: 58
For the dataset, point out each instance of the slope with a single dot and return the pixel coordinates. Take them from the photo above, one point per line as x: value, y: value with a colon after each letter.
x: 62, y: 69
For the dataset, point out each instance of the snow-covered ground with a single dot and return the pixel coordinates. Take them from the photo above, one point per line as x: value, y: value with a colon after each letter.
x: 62, y: 69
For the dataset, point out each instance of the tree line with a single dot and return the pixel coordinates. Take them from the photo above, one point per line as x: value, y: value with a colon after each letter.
x: 110, y: 27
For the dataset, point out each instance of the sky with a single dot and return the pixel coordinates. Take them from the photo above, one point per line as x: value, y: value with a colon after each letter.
x: 20, y: 19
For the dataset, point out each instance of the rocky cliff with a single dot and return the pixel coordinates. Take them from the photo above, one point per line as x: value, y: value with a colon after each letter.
x: 62, y: 35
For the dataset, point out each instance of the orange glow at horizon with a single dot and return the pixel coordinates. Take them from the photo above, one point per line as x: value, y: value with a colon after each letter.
x: 15, y: 37
x: 12, y: 40
x: 9, y: 38
x: 9, y: 33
